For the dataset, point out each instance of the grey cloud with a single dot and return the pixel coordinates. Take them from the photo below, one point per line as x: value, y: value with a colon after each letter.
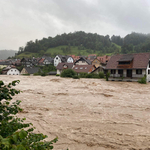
x: 21, y: 21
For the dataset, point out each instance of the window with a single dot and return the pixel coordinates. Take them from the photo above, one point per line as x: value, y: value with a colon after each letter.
x: 138, y: 71
x: 56, y: 57
x: 81, y: 67
x: 124, y: 62
x: 85, y: 67
x: 148, y: 71
x: 120, y: 71
x: 15, y: 70
x: 149, y: 64
x: 113, y: 71
x: 76, y: 67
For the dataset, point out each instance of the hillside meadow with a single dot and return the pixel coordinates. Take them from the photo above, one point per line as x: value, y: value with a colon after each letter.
x: 86, y: 114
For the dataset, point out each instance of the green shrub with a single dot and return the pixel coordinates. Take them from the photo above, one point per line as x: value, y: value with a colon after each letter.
x: 57, y: 75
x: 89, y: 76
x: 94, y: 75
x: 142, y: 80
x: 68, y: 73
x: 13, y: 135
x: 82, y: 74
x: 101, y: 74
x: 26, y: 74
x: 36, y: 74
x: 107, y: 75
x: 43, y: 74
x: 76, y: 77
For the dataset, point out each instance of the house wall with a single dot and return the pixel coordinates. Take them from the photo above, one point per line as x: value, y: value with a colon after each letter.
x: 148, y: 75
x: 46, y: 62
x: 96, y: 62
x: 24, y: 71
x: 57, y: 60
x: 81, y: 63
x: 134, y: 75
x: 3, y: 66
x: 70, y: 60
x: 13, y: 71
x: 59, y: 71
x: 98, y: 70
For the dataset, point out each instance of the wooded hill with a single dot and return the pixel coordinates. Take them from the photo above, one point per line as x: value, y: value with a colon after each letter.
x: 81, y: 43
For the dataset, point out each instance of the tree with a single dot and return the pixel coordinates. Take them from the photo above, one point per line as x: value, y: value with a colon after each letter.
x: 12, y: 129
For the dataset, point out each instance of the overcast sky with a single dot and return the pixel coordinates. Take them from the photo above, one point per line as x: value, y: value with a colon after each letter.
x: 25, y: 20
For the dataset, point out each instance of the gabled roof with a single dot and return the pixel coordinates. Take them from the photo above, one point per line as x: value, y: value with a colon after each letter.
x: 83, y: 58
x: 139, y: 61
x: 83, y: 68
x: 50, y: 59
x: 63, y: 58
x: 61, y: 65
x: 32, y: 70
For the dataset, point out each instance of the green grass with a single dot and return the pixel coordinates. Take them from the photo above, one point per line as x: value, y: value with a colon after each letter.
x: 74, y: 51
x: 27, y: 55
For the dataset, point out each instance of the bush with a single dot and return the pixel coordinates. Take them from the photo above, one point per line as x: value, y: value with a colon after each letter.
x: 89, y: 76
x: 12, y: 129
x: 101, y: 74
x: 43, y: 74
x: 26, y: 74
x: 76, y: 77
x: 83, y: 75
x: 96, y: 76
x: 142, y: 80
x: 57, y: 75
x: 68, y: 73
x: 107, y: 75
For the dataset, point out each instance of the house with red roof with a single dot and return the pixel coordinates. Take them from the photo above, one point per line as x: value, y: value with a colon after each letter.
x: 104, y: 59
x: 130, y: 67
x: 61, y: 66
x: 84, y: 68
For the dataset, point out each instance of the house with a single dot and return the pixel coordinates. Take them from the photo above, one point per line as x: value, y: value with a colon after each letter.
x: 48, y: 60
x: 96, y: 62
x: 61, y: 66
x: 30, y: 70
x: 91, y: 57
x: 84, y: 68
x: 41, y: 62
x: 13, y: 71
x: 83, y: 61
x: 99, y: 69
x: 26, y: 62
x: 131, y: 67
x: 5, y: 63
x: 75, y: 58
x: 61, y: 59
x: 104, y: 59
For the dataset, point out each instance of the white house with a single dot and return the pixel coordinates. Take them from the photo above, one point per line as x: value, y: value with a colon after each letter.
x: 13, y: 71
x: 61, y: 59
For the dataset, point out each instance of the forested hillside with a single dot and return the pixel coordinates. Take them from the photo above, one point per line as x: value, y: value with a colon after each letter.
x: 81, y: 43
x: 91, y: 43
x: 4, y: 54
x: 133, y: 43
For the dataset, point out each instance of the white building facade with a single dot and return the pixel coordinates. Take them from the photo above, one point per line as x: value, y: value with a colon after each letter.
x: 13, y: 71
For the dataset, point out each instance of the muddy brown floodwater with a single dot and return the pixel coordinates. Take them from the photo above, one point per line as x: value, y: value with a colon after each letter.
x: 87, y: 114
